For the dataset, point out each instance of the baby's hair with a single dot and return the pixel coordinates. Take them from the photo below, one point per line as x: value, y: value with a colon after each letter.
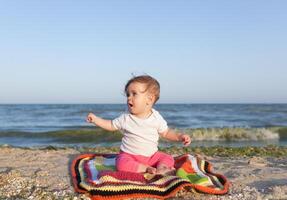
x: 152, y: 85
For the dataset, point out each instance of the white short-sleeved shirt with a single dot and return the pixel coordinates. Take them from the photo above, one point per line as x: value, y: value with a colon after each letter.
x: 140, y: 135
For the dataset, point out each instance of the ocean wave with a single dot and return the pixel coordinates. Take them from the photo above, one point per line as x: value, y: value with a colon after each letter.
x: 79, y: 136
x: 97, y: 135
x: 236, y: 134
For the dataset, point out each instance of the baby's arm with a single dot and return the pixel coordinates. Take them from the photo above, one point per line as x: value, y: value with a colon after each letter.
x: 103, y: 123
x: 172, y: 135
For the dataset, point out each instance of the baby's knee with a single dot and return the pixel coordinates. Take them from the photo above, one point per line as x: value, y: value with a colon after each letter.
x: 168, y: 160
x: 120, y: 167
x: 126, y: 165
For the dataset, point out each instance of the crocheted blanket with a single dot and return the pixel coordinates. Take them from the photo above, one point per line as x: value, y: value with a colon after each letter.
x: 95, y: 174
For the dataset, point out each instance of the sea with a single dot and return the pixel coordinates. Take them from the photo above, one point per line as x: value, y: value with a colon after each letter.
x: 40, y: 125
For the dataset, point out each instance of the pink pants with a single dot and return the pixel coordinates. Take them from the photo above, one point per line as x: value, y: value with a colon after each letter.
x: 130, y: 163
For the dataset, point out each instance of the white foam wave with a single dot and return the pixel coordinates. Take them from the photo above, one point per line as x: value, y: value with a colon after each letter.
x: 233, y: 134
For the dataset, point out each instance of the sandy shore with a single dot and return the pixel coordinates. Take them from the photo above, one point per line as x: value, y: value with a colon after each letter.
x: 44, y: 174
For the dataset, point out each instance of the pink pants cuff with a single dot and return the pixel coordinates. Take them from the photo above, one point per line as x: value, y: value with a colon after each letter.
x: 130, y: 163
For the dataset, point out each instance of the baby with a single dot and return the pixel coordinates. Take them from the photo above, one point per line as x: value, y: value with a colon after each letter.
x: 141, y: 127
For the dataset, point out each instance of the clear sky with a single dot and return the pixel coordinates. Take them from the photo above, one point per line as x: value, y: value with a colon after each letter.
x: 201, y: 51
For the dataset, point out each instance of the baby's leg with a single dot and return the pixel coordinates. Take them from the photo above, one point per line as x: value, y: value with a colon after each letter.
x: 129, y: 163
x: 164, y: 163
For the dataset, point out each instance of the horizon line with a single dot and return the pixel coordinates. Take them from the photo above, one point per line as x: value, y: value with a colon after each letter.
x: 167, y: 103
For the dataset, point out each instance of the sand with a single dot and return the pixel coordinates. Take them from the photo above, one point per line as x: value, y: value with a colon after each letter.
x: 44, y: 174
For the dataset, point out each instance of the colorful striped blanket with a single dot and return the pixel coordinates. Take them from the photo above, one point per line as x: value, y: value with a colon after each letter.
x: 95, y: 174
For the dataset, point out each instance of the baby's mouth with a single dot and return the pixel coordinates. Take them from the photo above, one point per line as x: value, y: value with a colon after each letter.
x: 130, y: 105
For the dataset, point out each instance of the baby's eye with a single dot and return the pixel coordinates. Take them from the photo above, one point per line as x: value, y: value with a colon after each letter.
x: 131, y: 94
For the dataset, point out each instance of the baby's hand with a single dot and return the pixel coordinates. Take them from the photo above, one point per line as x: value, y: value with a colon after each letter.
x: 91, y: 118
x: 186, y: 140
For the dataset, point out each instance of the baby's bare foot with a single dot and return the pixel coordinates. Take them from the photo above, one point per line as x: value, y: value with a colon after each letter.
x: 151, y: 170
x: 165, y: 171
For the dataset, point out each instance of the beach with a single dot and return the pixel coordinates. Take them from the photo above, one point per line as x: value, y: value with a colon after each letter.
x: 43, y: 173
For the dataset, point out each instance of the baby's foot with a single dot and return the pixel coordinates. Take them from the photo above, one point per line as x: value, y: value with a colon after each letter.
x: 151, y: 170
x: 165, y: 171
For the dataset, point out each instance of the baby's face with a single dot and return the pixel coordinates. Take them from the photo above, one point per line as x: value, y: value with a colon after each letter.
x: 139, y: 100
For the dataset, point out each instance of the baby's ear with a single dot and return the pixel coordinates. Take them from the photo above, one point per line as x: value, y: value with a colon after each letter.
x: 151, y: 98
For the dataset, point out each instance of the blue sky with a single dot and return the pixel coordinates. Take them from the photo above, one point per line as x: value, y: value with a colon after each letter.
x: 200, y: 51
